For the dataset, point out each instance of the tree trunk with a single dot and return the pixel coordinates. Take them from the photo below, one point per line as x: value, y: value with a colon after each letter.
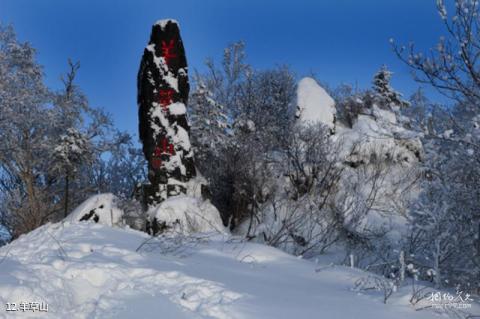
x: 436, y: 256
x: 478, y: 241
x: 67, y: 185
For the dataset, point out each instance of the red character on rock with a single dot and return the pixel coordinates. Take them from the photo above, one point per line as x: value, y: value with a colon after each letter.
x: 167, y: 51
x: 165, y: 97
x: 164, y: 148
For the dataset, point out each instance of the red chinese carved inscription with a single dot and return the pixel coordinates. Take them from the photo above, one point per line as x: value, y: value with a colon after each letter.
x: 164, y: 148
x: 165, y: 97
x: 167, y: 51
x: 156, y: 163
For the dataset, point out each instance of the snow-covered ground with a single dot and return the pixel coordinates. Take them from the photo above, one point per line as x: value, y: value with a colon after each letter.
x: 88, y: 270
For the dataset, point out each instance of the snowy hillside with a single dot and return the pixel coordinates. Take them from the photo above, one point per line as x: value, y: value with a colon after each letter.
x: 87, y: 270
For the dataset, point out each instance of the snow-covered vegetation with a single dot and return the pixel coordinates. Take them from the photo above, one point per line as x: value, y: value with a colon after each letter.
x: 351, y: 178
x: 306, y: 198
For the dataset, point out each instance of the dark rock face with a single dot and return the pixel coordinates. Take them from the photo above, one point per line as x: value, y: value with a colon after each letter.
x: 92, y: 215
x: 162, y: 98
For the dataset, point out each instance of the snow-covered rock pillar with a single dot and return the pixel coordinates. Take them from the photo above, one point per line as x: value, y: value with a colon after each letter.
x: 162, y: 98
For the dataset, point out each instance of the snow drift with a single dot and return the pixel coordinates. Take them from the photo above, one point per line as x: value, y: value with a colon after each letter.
x: 88, y: 270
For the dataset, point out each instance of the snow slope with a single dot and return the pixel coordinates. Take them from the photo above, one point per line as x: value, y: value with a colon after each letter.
x: 87, y: 270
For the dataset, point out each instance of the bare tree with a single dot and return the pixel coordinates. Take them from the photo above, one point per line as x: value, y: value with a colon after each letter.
x: 452, y: 67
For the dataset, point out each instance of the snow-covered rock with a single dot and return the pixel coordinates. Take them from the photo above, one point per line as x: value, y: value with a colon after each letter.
x: 314, y: 104
x: 378, y: 136
x: 383, y: 158
x: 100, y: 208
x: 187, y: 215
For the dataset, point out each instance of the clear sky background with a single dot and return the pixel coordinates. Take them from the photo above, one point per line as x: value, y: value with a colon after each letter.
x: 340, y: 41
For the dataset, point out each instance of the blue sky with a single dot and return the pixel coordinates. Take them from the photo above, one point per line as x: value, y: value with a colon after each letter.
x: 340, y: 41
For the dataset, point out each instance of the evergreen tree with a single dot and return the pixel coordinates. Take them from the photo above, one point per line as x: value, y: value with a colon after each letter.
x: 384, y: 93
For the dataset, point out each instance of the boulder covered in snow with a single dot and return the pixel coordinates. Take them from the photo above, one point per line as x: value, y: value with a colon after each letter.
x: 379, y: 136
x: 381, y: 166
x: 185, y: 215
x: 314, y: 104
x: 102, y: 209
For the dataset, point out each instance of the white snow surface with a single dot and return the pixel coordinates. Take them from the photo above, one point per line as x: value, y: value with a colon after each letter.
x: 103, y: 205
x: 188, y: 215
x: 87, y: 270
x: 177, y: 108
x: 314, y: 103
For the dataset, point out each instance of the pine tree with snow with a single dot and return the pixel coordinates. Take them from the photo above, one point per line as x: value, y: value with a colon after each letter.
x: 384, y: 93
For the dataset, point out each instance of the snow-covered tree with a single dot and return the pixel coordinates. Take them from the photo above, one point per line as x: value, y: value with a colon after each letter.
x: 451, y: 67
x: 267, y: 99
x: 240, y: 118
x: 72, y: 151
x: 351, y: 103
x: 384, y: 93
x: 210, y: 122
x: 452, y: 170
x: 122, y: 171
x: 25, y: 135
x: 48, y: 140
